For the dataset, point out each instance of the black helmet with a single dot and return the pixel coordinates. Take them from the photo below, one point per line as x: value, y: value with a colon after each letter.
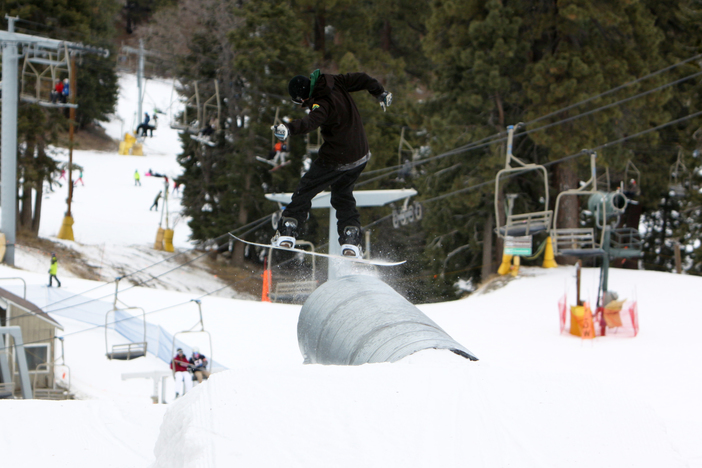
x: 299, y: 89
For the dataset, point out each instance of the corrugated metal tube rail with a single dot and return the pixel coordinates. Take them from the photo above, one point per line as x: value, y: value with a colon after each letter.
x: 359, y: 319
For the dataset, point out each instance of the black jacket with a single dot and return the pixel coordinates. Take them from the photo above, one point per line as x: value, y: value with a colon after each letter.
x: 332, y: 108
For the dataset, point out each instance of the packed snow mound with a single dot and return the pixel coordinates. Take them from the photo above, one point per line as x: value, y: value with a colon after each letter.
x: 431, y: 409
x: 78, y: 434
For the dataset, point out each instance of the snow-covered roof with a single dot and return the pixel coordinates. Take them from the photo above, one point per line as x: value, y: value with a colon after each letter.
x: 30, y: 307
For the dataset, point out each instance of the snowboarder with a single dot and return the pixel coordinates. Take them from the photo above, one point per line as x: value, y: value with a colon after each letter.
x: 176, y: 187
x: 199, y: 365
x: 137, y: 178
x: 53, y: 269
x: 183, y: 377
x: 155, y: 204
x: 342, y: 157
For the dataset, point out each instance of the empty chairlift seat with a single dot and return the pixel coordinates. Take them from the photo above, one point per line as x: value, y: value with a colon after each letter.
x: 126, y: 351
x: 520, y: 224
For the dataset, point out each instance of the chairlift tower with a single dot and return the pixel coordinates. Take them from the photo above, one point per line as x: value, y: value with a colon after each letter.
x: 613, y: 242
x: 140, y: 53
x: 11, y: 42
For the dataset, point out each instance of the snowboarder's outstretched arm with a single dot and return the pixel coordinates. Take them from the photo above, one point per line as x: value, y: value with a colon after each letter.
x: 360, y: 81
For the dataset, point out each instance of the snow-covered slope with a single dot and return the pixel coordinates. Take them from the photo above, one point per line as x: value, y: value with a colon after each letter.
x: 535, y: 398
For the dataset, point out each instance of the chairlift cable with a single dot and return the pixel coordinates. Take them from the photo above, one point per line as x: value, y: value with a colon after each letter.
x: 498, y: 138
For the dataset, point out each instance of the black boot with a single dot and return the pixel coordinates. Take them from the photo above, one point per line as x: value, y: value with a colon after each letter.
x: 287, y: 233
x: 350, y: 240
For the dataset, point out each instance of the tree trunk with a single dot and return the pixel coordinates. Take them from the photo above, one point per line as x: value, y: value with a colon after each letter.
x: 501, y: 215
x: 319, y: 26
x: 36, y: 220
x: 568, y: 215
x: 25, y: 209
x: 25, y: 219
x: 238, y: 254
x: 488, y: 267
x: 386, y: 36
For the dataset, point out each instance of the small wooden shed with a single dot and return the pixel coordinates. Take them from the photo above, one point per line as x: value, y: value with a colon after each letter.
x: 38, y: 333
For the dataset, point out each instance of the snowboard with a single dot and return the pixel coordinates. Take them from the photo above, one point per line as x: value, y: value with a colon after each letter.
x: 203, y: 140
x: 275, y: 168
x: 319, y: 254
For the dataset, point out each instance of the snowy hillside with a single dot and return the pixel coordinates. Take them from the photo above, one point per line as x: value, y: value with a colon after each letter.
x: 536, y: 398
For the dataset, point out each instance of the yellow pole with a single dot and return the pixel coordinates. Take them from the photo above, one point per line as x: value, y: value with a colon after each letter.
x: 66, y: 231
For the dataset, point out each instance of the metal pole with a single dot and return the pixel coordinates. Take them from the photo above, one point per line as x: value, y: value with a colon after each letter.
x: 71, y: 130
x: 66, y: 230
x: 140, y: 78
x: 334, y: 247
x: 8, y: 193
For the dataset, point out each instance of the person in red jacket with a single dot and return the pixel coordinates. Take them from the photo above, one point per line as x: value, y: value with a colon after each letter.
x: 183, y: 377
x: 341, y: 158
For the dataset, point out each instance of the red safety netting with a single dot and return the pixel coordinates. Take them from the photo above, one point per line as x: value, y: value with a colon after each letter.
x: 616, y: 320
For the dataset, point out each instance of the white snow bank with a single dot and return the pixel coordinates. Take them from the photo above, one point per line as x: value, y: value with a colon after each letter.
x: 431, y: 409
x: 78, y: 434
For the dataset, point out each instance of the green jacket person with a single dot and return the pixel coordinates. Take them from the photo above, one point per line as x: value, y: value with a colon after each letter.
x: 53, y: 269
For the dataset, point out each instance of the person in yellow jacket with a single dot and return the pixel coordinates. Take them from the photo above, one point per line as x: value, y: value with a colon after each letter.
x: 53, y: 269
x: 137, y: 178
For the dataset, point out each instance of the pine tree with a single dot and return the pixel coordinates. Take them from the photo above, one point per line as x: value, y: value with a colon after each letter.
x: 252, y: 49
x: 39, y: 128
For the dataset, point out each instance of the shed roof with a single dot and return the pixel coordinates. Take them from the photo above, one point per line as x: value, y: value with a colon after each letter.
x: 30, y: 307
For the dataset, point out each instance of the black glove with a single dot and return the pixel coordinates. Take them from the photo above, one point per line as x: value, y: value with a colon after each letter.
x: 385, y: 100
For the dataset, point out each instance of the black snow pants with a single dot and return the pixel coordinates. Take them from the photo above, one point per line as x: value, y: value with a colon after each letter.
x: 319, y: 178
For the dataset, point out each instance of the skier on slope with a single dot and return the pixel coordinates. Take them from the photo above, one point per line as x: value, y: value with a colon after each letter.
x: 154, y: 206
x: 53, y: 270
x: 342, y: 157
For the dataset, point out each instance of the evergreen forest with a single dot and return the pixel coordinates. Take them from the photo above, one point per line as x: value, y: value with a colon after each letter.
x: 618, y: 78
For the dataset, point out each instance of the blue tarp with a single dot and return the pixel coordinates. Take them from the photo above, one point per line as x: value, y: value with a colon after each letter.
x: 128, y: 323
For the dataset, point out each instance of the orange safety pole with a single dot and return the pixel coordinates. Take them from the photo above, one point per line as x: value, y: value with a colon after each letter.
x: 266, y: 283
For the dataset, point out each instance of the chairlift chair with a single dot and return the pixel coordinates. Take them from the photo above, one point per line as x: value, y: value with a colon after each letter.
x: 313, y: 146
x: 40, y: 70
x: 679, y: 177
x: 192, y: 331
x: 189, y: 122
x: 53, y: 393
x: 582, y: 242
x: 126, y: 351
x: 294, y: 290
x: 521, y: 224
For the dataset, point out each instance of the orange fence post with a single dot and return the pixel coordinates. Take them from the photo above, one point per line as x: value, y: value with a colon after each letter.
x: 266, y: 283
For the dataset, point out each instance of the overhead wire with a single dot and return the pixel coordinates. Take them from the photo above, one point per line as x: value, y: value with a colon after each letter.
x: 498, y: 137
x: 256, y: 224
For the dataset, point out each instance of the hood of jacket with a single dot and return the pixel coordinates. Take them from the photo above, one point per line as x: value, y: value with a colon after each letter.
x: 323, y: 85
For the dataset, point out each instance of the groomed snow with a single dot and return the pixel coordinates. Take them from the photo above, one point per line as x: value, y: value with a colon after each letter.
x: 535, y: 398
